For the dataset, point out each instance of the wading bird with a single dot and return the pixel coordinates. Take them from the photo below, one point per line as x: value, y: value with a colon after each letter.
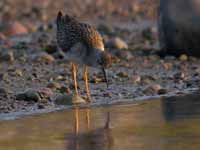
x: 82, y: 44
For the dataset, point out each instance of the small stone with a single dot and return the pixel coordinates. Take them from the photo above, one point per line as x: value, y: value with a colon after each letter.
x: 3, y: 91
x: 54, y: 85
x: 51, y: 48
x: 7, y: 56
x: 197, y: 70
x: 96, y: 79
x: 122, y: 74
x: 69, y: 100
x: 105, y: 28
x: 60, y: 78
x: 124, y: 55
x: 179, y: 76
x: 117, y: 43
x: 65, y: 89
x: 41, y: 106
x: 136, y: 78
x: 156, y: 87
x: 21, y: 96
x: 107, y: 94
x: 29, y: 95
x: 15, y: 27
x: 150, y: 33
x: 167, y: 66
x: 18, y: 72
x: 76, y: 99
x: 162, y: 91
x: 46, y: 58
x: 183, y: 57
x: 2, y: 36
x: 152, y: 89
x: 45, y: 92
x: 32, y: 95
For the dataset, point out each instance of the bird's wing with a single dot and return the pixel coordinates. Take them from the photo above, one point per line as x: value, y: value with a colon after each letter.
x: 91, y: 37
x: 70, y: 32
x: 67, y: 33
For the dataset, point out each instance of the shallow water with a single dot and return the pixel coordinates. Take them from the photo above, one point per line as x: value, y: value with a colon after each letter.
x: 159, y: 124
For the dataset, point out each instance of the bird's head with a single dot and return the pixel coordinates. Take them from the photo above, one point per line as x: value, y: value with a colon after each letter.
x: 105, y: 59
x: 104, y: 62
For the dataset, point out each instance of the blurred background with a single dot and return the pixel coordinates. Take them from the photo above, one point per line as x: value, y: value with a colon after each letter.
x: 27, y: 15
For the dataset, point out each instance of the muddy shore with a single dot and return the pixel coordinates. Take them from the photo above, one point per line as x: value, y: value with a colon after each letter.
x: 30, y: 64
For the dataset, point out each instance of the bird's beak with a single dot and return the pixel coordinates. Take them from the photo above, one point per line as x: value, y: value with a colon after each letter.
x: 105, y: 76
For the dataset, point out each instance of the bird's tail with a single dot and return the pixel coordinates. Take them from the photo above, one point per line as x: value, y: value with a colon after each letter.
x: 64, y: 19
x: 60, y: 21
x: 60, y: 28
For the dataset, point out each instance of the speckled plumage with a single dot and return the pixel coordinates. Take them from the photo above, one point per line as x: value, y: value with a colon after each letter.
x: 71, y: 32
x: 82, y: 44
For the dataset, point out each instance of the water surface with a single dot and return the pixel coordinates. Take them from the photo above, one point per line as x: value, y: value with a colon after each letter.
x: 159, y: 124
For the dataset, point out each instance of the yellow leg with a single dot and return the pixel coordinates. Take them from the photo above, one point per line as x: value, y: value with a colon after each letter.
x: 76, y: 121
x: 88, y: 118
x: 85, y: 77
x: 74, y: 78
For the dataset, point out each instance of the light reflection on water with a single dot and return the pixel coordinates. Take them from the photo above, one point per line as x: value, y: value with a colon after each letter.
x: 160, y: 124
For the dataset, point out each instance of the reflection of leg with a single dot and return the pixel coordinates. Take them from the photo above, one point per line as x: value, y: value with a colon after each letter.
x: 76, y: 121
x: 85, y: 77
x: 74, y: 78
x: 88, y: 118
x: 77, y: 146
x: 107, y: 125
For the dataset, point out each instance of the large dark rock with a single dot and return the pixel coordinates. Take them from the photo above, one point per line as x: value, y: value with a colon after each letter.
x: 179, y: 27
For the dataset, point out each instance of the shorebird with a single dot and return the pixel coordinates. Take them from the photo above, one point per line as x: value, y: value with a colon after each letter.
x: 82, y: 44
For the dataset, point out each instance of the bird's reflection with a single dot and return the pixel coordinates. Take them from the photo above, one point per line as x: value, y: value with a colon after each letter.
x: 181, y: 107
x: 97, y: 139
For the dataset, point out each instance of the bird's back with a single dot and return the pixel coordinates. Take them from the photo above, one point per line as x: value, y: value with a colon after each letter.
x: 71, y: 32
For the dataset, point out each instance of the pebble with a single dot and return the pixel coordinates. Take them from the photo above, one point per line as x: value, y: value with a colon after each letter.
x: 3, y: 91
x: 41, y: 106
x: 179, y: 76
x: 38, y: 95
x: 152, y: 89
x: 45, y: 92
x: 136, y: 78
x: 96, y: 79
x: 105, y: 28
x: 197, y: 69
x: 124, y: 55
x: 54, y: 85
x: 162, y: 91
x: 29, y: 95
x: 156, y: 87
x: 150, y: 33
x: 122, y: 74
x: 51, y: 48
x: 69, y: 99
x: 46, y: 58
x: 107, y: 94
x: 2, y: 36
x: 183, y: 57
x: 19, y: 72
x: 65, y: 89
x: 15, y: 27
x: 117, y: 43
x: 7, y: 55
x: 167, y: 66
x: 60, y: 78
